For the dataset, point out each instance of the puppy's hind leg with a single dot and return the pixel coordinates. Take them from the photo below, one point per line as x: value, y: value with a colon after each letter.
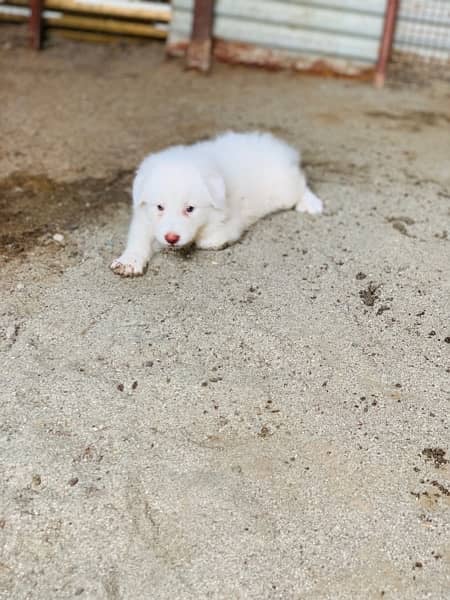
x: 309, y: 203
x: 139, y: 246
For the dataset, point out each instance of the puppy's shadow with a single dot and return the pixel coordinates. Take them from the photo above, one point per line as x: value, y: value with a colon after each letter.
x: 188, y: 252
x: 184, y: 253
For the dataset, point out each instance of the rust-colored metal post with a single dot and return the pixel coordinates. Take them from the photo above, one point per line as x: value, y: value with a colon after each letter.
x: 36, y: 25
x: 390, y: 19
x: 200, y: 45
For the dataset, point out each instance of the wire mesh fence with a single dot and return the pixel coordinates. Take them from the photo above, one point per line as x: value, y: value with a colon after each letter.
x: 422, y: 40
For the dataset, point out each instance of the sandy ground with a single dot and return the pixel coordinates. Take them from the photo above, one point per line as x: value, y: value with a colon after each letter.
x: 269, y: 421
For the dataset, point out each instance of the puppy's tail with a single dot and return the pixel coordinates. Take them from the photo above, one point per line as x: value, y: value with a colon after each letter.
x: 310, y: 203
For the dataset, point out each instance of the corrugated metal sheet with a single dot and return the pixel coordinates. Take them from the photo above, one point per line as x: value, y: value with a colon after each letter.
x: 347, y: 30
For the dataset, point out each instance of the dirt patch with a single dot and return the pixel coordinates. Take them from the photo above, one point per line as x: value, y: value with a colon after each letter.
x: 75, y: 333
x: 331, y: 170
x: 440, y: 487
x: 413, y: 120
x: 405, y: 220
x: 33, y: 207
x: 401, y: 228
x: 399, y: 224
x: 408, y: 68
x: 437, y: 455
x: 264, y: 432
x: 369, y: 294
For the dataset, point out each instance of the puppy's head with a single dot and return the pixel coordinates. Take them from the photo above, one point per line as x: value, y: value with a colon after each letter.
x: 181, y: 198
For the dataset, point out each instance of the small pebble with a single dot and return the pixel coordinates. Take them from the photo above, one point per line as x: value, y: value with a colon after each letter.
x: 11, y: 332
x: 58, y: 237
x: 20, y: 286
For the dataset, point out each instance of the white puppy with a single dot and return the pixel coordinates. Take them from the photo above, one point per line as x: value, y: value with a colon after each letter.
x: 210, y: 193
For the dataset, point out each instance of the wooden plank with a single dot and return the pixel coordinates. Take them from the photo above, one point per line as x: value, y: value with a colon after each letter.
x: 148, y: 11
x: 106, y: 25
x: 89, y: 23
x: 122, y: 8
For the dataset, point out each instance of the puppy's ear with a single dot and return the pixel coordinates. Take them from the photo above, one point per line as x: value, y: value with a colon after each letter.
x: 138, y: 190
x: 217, y: 191
x: 143, y: 181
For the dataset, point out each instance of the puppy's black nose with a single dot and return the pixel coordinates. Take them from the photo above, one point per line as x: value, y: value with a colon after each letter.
x: 171, y: 238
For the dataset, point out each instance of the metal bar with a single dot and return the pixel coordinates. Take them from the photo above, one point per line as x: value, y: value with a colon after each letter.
x: 390, y: 19
x: 200, y: 46
x: 36, y: 28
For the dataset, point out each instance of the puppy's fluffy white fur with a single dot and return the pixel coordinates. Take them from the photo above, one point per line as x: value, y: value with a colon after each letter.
x: 210, y: 193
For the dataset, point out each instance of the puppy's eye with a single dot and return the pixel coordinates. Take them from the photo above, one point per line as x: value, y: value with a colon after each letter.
x: 190, y: 209
x: 160, y: 207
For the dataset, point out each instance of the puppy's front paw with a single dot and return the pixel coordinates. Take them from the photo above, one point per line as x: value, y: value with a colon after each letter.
x: 128, y: 266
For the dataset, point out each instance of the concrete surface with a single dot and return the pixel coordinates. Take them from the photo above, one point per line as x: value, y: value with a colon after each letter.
x: 269, y: 421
